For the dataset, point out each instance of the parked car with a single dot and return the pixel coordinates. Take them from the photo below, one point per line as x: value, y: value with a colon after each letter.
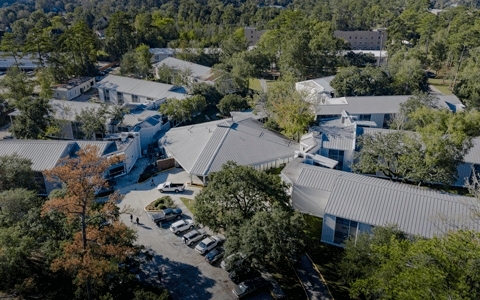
x: 214, y: 255
x: 242, y: 273
x: 182, y: 225
x: 249, y: 286
x: 194, y: 236
x: 208, y: 244
x: 166, y: 215
x: 171, y: 187
x: 232, y: 261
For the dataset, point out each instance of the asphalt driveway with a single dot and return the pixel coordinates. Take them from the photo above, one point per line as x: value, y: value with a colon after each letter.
x: 184, y: 272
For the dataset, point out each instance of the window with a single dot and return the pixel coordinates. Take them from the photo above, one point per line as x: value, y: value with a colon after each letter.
x: 344, y: 229
x: 149, y: 99
x: 120, y: 100
x: 135, y: 98
x: 107, y: 96
x: 338, y: 156
x: 364, y: 117
x: 116, y: 170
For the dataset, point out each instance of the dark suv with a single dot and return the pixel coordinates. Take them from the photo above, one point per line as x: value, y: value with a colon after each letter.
x: 249, y: 286
x: 166, y: 215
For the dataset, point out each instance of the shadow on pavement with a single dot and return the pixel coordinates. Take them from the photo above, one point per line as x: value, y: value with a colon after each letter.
x: 183, y: 281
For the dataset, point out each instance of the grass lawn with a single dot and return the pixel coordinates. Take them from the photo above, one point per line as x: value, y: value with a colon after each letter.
x: 326, y: 257
x: 254, y: 84
x: 189, y: 204
x: 271, y: 83
x: 437, y: 82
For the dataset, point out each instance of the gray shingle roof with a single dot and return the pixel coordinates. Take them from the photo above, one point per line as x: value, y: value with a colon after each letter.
x: 204, y: 148
x: 379, y: 105
x: 379, y: 202
x: 198, y: 71
x: 145, y: 88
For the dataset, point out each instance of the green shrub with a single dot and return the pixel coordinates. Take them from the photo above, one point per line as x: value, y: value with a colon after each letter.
x: 161, y: 203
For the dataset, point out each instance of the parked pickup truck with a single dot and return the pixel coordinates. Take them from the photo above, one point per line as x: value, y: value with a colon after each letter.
x: 171, y: 187
x: 166, y: 215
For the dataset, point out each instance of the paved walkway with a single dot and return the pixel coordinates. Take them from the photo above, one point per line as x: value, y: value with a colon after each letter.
x: 310, y: 278
x: 264, y: 85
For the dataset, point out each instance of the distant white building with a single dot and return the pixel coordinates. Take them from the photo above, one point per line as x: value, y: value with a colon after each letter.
x: 124, y: 90
x: 363, y: 39
x: 376, y: 109
x: 73, y: 88
x: 159, y: 54
x: 252, y: 35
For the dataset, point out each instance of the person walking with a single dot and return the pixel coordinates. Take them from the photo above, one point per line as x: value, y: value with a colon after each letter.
x: 137, y: 221
x: 153, y: 183
x: 131, y: 218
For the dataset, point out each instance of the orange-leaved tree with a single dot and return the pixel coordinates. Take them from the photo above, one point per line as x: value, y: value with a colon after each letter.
x: 103, y: 241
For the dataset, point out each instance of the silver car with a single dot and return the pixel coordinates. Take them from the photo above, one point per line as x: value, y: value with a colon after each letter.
x: 193, y: 236
x: 208, y: 244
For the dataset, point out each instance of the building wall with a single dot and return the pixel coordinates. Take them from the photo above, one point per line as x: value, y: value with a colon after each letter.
x: 335, y: 232
x: 132, y: 152
x: 252, y: 35
x: 127, y: 98
x: 348, y: 157
x: 74, y: 92
x: 273, y: 163
x: 309, y: 201
x: 146, y: 135
x: 161, y: 56
x: 363, y: 40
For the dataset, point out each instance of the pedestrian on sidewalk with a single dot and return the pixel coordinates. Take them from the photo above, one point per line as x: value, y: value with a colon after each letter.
x: 153, y: 183
x: 137, y: 221
x: 131, y: 218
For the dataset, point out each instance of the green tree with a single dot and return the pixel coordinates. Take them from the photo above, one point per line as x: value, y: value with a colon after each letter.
x: 206, y: 90
x: 17, y: 85
x: 16, y: 172
x: 79, y: 45
x: 33, y: 120
x: 93, y: 121
x: 11, y: 46
x: 393, y: 266
x: 269, y: 237
x: 46, y: 80
x: 119, y: 34
x: 235, y: 194
x: 185, y: 109
x: 232, y: 103
x: 368, y: 81
x: 289, y: 109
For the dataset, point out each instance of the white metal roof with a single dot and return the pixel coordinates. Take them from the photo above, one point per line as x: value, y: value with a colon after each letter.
x: 380, y: 105
x: 473, y: 155
x: 144, y: 88
x: 198, y: 71
x: 43, y: 154
x: 379, y: 202
x: 204, y: 148
x: 68, y: 110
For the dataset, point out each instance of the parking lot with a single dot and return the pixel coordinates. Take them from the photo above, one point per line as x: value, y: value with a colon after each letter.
x: 184, y: 271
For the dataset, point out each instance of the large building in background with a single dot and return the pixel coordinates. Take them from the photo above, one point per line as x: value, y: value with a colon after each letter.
x: 252, y: 35
x: 364, y: 40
